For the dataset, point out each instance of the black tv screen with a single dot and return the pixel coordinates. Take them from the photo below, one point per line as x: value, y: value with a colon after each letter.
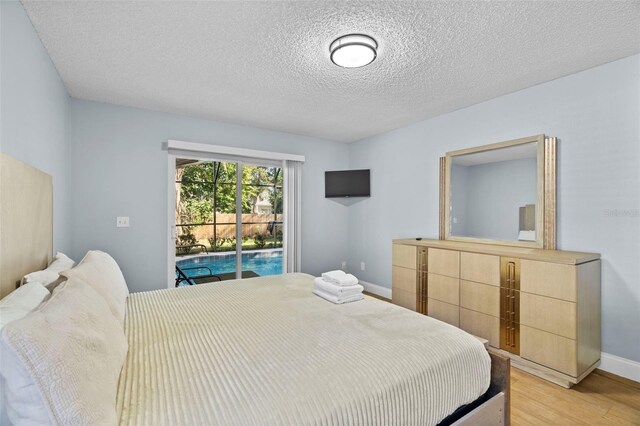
x: 346, y: 183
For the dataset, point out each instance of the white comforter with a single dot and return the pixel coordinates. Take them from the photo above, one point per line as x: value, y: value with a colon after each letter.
x: 268, y: 351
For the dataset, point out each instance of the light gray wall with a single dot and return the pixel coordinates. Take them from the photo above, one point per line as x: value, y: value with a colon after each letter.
x: 495, y: 193
x: 595, y: 114
x: 34, y: 107
x: 119, y: 169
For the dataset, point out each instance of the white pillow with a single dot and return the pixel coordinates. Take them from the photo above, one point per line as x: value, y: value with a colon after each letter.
x: 13, y: 307
x: 22, y: 403
x: 51, y: 274
x: 21, y: 301
x: 61, y: 257
x: 61, y: 363
x: 101, y: 272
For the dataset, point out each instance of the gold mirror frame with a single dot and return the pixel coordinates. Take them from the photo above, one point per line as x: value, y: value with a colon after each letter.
x: 546, y: 199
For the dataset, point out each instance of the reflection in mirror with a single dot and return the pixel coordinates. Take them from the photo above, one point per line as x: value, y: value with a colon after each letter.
x: 493, y: 193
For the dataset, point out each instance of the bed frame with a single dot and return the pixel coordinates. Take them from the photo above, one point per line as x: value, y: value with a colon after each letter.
x: 493, y: 408
x: 26, y: 221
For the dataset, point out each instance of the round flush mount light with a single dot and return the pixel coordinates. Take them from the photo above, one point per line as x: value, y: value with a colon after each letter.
x: 353, y: 50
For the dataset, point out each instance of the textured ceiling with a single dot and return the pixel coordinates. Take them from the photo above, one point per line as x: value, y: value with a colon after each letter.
x: 266, y: 64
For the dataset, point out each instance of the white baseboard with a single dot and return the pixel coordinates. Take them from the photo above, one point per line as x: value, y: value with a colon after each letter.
x: 376, y: 289
x: 620, y: 366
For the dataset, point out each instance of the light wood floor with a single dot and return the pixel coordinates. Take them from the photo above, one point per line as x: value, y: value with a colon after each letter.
x: 600, y: 399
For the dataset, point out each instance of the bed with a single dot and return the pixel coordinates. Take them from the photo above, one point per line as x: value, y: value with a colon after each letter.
x: 267, y: 351
x: 255, y: 351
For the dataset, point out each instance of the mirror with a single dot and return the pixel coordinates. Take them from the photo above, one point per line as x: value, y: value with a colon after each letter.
x: 496, y: 193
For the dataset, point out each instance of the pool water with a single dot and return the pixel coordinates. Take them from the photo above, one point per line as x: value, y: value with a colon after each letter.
x: 265, y: 262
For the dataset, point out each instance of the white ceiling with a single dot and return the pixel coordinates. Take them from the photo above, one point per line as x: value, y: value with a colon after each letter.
x: 266, y: 64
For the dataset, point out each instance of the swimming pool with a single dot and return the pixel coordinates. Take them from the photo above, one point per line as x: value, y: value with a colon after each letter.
x: 263, y: 262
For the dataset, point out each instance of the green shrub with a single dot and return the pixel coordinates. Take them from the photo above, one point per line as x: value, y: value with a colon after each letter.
x: 260, y: 240
x: 232, y: 242
x: 218, y: 243
x: 186, y: 239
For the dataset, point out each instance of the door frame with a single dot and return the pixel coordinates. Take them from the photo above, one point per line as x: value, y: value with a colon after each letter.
x: 206, y: 152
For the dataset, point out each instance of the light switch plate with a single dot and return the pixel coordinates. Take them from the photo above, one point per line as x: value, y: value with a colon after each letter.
x: 122, y: 222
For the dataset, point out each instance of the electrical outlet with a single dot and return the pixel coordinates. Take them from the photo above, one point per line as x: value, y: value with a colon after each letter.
x: 344, y: 265
x: 362, y: 266
x: 122, y: 222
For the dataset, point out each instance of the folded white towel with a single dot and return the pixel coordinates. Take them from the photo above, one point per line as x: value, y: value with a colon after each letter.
x: 347, y: 280
x: 333, y: 275
x: 337, y: 290
x: 338, y: 300
x: 340, y: 278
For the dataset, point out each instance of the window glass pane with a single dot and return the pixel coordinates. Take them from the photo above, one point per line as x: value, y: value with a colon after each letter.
x: 261, y: 254
x: 206, y: 219
x: 195, y: 203
x: 192, y: 239
x: 261, y: 220
x: 200, y: 172
x: 225, y: 235
x: 225, y: 172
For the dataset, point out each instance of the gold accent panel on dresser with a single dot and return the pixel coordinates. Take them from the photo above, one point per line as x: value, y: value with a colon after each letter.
x: 540, y: 307
x: 510, y: 304
x: 422, y: 277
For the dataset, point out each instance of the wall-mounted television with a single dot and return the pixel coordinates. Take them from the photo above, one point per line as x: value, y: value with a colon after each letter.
x: 347, y: 183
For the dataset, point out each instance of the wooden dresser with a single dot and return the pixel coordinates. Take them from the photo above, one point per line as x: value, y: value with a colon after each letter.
x: 541, y: 307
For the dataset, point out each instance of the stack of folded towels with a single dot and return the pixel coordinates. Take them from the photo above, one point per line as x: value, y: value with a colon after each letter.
x: 338, y: 287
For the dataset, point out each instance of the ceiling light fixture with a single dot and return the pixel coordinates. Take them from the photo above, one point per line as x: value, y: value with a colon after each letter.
x: 353, y: 50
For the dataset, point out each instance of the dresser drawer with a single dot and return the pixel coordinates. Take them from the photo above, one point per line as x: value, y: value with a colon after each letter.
x: 444, y: 312
x: 444, y: 262
x: 404, y: 279
x: 403, y: 255
x: 445, y: 289
x: 548, y: 279
x: 551, y: 350
x: 481, y: 268
x: 551, y: 315
x: 481, y: 325
x: 480, y: 297
x: 404, y: 299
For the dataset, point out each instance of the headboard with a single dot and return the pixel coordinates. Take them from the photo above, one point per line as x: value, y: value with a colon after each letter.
x: 26, y: 221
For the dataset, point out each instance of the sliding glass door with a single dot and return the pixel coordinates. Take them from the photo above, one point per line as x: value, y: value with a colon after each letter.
x: 228, y: 220
x: 262, y: 202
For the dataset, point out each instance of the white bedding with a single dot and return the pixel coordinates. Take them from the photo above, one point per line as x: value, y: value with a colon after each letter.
x: 268, y: 351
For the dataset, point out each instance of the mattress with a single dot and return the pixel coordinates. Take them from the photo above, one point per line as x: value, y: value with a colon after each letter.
x: 267, y: 351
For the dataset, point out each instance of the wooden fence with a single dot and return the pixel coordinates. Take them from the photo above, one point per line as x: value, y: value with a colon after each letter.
x: 252, y: 224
